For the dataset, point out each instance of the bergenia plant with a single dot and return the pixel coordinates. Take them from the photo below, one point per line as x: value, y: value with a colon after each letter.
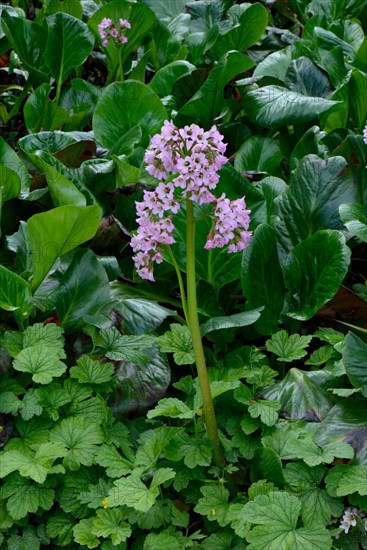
x: 115, y: 35
x: 186, y: 162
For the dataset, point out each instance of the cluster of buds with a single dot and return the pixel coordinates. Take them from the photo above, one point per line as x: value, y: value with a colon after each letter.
x: 365, y: 134
x: 186, y: 161
x: 107, y: 30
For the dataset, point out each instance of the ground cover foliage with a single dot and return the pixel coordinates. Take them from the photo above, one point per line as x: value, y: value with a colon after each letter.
x: 103, y: 432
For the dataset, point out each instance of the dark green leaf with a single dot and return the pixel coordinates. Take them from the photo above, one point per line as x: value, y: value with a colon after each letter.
x: 355, y: 361
x: 274, y: 106
x: 14, y: 293
x: 164, y: 79
x: 243, y: 319
x: 40, y: 113
x: 9, y: 184
x: 123, y: 106
x: 354, y: 217
x: 314, y: 270
x: 258, y: 154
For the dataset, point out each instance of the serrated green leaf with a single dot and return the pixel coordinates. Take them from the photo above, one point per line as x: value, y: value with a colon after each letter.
x: 276, y: 515
x: 267, y: 410
x: 235, y: 515
x: 214, y: 504
x: 288, y: 348
x: 179, y: 342
x: 96, y: 493
x: 194, y: 451
x: 9, y: 403
x: 51, y: 398
x: 109, y: 457
x: 33, y: 464
x: 83, y: 533
x: 49, y: 335
x: 158, y: 541
x: 41, y: 361
x: 59, y: 528
x: 125, y: 348
x: 172, y: 407
x: 261, y: 487
x: 318, y: 507
x: 81, y: 438
x: 108, y: 523
x: 346, y: 479
x: 313, y: 455
x: 25, y: 497
x: 320, y: 356
x: 161, y: 476
x: 131, y: 491
x: 89, y: 371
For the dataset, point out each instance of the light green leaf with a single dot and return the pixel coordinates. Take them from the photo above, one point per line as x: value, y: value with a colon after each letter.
x: 50, y: 335
x: 214, y: 504
x: 164, y: 79
x: 11, y: 160
x: 83, y: 533
x: 108, y: 523
x: 354, y: 217
x: 274, y: 106
x: 69, y: 43
x: 81, y: 438
x: 51, y: 398
x: 158, y: 541
x: 161, y: 476
x: 277, y: 515
x: 193, y: 451
x: 63, y: 192
x: 95, y: 495
x: 313, y: 455
x: 14, y: 293
x: 125, y: 348
x: 346, y: 479
x: 320, y: 356
x: 57, y: 231
x: 172, y: 407
x: 242, y: 319
x: 235, y: 515
x: 33, y: 464
x: 131, y: 491
x: 267, y: 410
x: 179, y: 342
x: 89, y: 371
x: 30, y: 406
x: 41, y: 113
x: 23, y: 496
x: 109, y: 457
x: 41, y: 361
x: 288, y: 348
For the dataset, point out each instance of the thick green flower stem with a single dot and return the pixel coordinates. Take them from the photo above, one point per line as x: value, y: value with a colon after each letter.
x: 193, y: 319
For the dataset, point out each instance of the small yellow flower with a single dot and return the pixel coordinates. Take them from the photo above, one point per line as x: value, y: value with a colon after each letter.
x: 105, y: 502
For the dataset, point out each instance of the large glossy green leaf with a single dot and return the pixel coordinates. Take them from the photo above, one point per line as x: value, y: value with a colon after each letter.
x: 262, y: 278
x: 208, y: 101
x: 274, y: 106
x: 57, y: 231
x: 62, y: 190
x: 84, y: 290
x: 40, y: 113
x: 124, y: 107
x: 310, y: 143
x: 164, y: 79
x: 14, y: 293
x: 314, y: 270
x: 312, y: 200
x: 10, y: 159
x: 245, y: 33
x: 300, y: 397
x: 242, y: 319
x: 346, y: 422
x: 69, y: 43
x: 303, y: 76
x: 355, y: 361
x: 258, y: 154
x: 28, y: 39
x: 275, y: 64
x: 354, y: 217
x: 9, y: 183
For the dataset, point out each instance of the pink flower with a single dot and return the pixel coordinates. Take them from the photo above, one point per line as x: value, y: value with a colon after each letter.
x: 186, y: 162
x: 365, y: 134
x: 107, y: 30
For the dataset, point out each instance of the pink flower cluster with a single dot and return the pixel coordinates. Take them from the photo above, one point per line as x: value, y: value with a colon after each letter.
x: 108, y: 30
x: 365, y: 134
x: 187, y: 161
x: 231, y: 224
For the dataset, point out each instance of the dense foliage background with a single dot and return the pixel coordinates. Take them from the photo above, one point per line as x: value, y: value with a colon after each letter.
x: 103, y: 443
